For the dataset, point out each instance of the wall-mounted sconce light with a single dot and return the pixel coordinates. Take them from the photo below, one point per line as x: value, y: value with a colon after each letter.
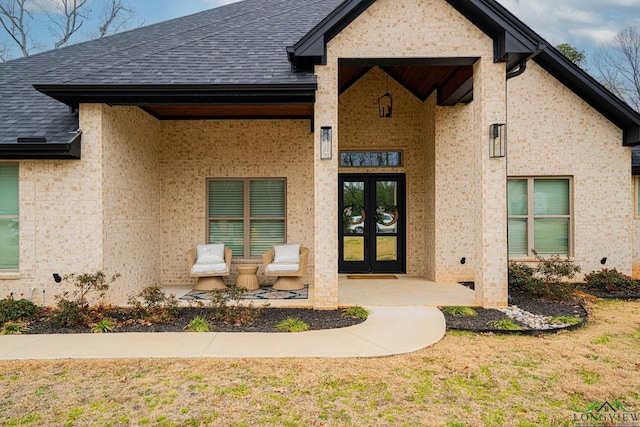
x: 497, y: 140
x: 325, y: 143
x: 57, y: 277
x: 385, y: 103
x: 603, y: 261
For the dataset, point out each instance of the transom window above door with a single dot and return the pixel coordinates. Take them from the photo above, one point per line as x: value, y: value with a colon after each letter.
x: 247, y: 215
x: 540, y: 216
x: 368, y: 159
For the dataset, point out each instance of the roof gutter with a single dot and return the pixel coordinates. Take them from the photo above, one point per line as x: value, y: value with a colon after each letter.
x: 226, y: 94
x: 37, y: 148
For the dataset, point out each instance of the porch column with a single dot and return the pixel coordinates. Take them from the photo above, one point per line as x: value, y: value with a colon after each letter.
x: 326, y: 189
x: 489, y: 97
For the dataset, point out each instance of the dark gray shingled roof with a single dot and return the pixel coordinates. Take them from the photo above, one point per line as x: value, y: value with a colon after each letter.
x: 242, y: 43
x: 239, y: 49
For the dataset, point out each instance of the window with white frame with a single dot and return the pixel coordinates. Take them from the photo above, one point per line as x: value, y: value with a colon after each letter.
x: 539, y: 211
x: 247, y: 215
x: 9, y: 219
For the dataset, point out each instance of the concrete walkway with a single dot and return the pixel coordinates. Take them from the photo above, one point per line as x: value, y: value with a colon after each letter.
x: 388, y: 331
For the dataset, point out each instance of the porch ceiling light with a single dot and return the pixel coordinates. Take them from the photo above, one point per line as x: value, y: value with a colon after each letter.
x: 385, y: 103
x: 497, y: 140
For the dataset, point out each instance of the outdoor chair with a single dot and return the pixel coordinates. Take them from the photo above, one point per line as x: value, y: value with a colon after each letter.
x: 288, y: 263
x: 209, y: 263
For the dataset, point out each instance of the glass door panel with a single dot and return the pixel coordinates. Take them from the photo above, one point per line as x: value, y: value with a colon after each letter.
x: 371, y: 223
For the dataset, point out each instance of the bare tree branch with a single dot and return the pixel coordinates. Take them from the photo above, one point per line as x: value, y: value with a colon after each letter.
x: 67, y: 20
x: 115, y: 17
x: 14, y: 17
x: 618, y: 66
x: 5, y: 52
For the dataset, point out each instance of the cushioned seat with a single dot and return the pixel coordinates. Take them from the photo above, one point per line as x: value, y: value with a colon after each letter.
x: 288, y: 263
x: 209, y: 263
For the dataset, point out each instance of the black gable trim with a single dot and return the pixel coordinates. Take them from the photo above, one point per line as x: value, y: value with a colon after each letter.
x: 73, y: 95
x: 312, y: 48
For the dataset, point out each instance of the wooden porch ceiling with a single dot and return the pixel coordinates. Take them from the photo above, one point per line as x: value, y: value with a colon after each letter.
x: 454, y: 83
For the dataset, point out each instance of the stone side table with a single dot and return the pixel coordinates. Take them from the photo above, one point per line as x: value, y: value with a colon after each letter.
x: 247, y: 277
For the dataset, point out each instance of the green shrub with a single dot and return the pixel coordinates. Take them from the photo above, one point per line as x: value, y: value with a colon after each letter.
x: 549, y: 278
x: 13, y: 328
x: 156, y: 306
x: 104, y: 325
x: 72, y: 308
x: 356, y: 312
x: 520, y: 276
x: 231, y: 308
x: 505, y: 325
x: 86, y: 284
x: 291, y: 324
x: 460, y: 311
x: 17, y: 309
x: 69, y: 313
x: 611, y: 281
x: 198, y: 324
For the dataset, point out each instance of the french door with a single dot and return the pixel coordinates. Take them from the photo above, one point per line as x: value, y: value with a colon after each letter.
x: 372, y: 223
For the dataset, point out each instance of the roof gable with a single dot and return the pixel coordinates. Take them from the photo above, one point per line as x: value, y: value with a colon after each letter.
x: 514, y: 43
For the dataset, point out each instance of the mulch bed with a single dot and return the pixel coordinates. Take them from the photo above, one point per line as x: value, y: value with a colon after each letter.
x: 526, y: 301
x: 269, y: 318
x: 329, y: 319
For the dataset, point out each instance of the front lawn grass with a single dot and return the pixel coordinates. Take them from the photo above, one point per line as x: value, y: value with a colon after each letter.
x: 467, y: 379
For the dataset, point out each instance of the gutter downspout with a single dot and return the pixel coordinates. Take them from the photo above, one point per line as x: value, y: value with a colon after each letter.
x: 523, y: 64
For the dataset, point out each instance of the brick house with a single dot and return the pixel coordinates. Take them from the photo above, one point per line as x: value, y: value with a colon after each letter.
x: 372, y: 132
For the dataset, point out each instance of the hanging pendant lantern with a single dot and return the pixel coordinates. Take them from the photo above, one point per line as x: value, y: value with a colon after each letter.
x: 385, y: 103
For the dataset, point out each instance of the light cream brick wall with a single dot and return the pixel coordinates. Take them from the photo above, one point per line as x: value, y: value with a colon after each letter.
x: 131, y: 200
x: 553, y: 132
x: 428, y: 229
x: 193, y: 151
x: 489, y: 104
x: 406, y: 29
x: 455, y: 195
x: 60, y: 216
x: 325, y: 194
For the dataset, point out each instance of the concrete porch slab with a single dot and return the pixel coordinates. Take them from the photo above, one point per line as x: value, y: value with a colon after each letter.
x: 403, y: 291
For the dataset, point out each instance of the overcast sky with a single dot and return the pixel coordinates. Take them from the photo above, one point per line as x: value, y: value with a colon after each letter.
x: 585, y: 24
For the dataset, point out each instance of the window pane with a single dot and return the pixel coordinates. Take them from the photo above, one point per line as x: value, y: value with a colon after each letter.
x: 353, y: 248
x: 8, y: 190
x: 551, y: 236
x: 265, y: 234
x: 517, y: 236
x: 551, y: 197
x: 386, y: 248
x: 267, y: 199
x: 9, y: 243
x: 231, y: 233
x: 226, y: 199
x: 517, y: 197
x: 370, y: 159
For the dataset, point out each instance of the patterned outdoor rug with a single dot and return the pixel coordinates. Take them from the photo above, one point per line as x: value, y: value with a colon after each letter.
x: 266, y: 292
